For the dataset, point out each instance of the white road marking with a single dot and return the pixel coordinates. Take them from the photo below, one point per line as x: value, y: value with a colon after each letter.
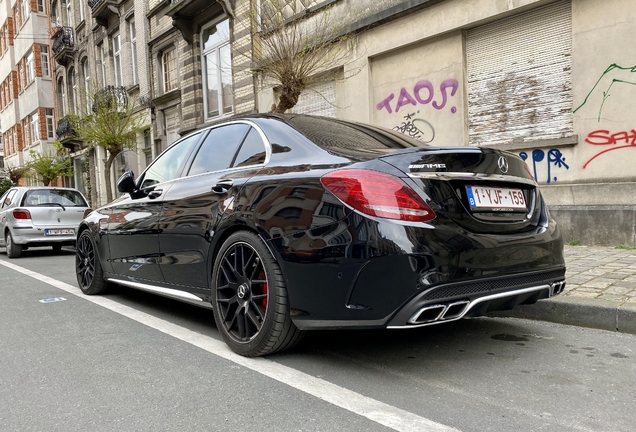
x: 379, y: 412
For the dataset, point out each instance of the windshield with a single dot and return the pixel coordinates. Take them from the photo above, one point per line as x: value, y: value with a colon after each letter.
x: 54, y: 197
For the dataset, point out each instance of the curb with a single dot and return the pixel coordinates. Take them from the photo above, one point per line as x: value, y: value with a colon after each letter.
x: 578, y: 311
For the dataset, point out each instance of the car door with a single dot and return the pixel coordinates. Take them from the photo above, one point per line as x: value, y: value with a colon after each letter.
x: 192, y: 208
x: 132, y: 225
x: 5, y: 207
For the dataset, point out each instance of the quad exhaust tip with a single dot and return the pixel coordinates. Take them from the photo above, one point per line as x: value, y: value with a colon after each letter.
x: 439, y: 312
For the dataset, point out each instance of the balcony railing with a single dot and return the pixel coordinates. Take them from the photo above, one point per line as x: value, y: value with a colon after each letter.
x: 64, y: 129
x: 111, y: 98
x: 62, y: 40
x: 93, y: 4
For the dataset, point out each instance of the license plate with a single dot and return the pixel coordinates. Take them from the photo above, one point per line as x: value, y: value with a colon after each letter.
x: 53, y: 232
x: 497, y: 199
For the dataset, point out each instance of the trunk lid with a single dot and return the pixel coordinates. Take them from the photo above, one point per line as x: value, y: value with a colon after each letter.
x: 482, y: 190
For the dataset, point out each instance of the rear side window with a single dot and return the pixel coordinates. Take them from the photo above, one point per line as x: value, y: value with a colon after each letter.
x: 54, y: 197
x: 8, y: 198
x: 166, y: 166
x: 219, y: 148
x: 252, y: 151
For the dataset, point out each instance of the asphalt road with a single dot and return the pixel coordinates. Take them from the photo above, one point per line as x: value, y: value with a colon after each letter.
x: 131, y: 361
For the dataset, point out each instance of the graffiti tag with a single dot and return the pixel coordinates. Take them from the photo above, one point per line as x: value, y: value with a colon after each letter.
x: 606, y: 93
x: 555, y: 158
x: 617, y: 141
x: 416, y: 128
x: 423, y: 93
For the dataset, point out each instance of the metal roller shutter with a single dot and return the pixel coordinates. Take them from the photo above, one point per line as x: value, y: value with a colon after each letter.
x: 317, y: 99
x: 520, y: 76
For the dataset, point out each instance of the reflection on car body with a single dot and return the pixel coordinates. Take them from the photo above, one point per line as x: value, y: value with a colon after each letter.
x: 287, y: 223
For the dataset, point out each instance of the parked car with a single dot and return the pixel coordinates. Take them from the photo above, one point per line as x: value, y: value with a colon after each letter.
x: 287, y: 223
x: 40, y: 216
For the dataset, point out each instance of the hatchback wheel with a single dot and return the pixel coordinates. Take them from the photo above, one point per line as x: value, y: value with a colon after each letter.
x: 250, y: 298
x: 13, y: 250
x: 88, y: 269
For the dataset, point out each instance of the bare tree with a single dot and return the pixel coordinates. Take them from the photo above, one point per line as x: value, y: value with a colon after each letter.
x: 114, y: 124
x: 292, y: 45
x: 15, y: 173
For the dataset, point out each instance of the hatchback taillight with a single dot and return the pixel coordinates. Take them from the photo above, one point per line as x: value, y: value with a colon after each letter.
x: 21, y: 214
x: 377, y: 194
x: 87, y: 212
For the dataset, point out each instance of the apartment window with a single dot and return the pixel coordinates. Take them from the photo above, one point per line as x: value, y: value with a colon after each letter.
x: 50, y: 123
x: 44, y: 53
x: 69, y: 16
x: 41, y: 6
x: 25, y: 131
x: 102, y: 64
x: 30, y: 71
x: 117, y: 59
x: 72, y: 101
x: 35, y: 127
x: 21, y: 74
x: 82, y: 11
x: 87, y: 84
x: 169, y: 65
x: 25, y: 9
x: 133, y: 49
x: 61, y: 93
x: 217, y: 64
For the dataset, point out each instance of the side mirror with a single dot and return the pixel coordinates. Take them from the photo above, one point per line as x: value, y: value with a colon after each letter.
x: 126, y: 183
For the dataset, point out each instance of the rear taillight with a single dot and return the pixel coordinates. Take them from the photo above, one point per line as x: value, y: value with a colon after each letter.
x: 377, y: 194
x: 21, y: 214
x: 87, y: 212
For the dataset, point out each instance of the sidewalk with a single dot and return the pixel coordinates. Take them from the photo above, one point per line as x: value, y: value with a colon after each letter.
x: 600, y: 291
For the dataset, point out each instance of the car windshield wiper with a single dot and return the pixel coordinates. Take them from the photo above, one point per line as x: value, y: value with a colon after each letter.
x: 50, y: 204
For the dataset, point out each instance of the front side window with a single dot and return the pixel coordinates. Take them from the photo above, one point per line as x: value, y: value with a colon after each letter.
x: 166, y: 167
x: 218, y: 150
x: 169, y: 65
x: 117, y: 60
x: 217, y: 64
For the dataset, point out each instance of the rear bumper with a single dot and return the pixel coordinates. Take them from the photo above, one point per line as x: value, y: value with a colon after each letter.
x: 36, y: 237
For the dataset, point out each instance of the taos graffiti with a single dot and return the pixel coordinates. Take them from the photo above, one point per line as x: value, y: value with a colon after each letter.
x: 606, y: 93
x: 422, y: 93
x: 610, y: 141
x: 416, y: 128
x: 555, y: 157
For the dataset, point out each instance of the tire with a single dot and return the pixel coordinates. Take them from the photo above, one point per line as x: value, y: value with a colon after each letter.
x: 88, y: 269
x: 57, y: 248
x: 249, y: 298
x: 13, y: 250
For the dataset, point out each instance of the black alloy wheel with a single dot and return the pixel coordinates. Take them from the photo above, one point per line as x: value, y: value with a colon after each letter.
x: 13, y: 250
x: 88, y: 269
x: 250, y: 298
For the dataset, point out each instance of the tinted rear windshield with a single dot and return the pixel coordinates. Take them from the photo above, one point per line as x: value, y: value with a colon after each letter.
x: 54, y: 197
x: 341, y: 136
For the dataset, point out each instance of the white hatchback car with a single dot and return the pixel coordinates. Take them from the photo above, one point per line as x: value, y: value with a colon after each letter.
x: 40, y: 216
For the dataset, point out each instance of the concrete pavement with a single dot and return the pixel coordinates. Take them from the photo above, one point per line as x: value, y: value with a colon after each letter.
x: 600, y: 291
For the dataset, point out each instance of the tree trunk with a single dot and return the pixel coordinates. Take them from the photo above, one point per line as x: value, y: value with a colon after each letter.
x: 107, y: 167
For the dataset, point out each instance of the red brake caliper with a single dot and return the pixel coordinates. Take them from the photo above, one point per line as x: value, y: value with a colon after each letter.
x: 262, y: 276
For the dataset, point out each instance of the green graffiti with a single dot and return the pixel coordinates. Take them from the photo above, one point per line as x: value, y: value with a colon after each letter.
x: 606, y: 93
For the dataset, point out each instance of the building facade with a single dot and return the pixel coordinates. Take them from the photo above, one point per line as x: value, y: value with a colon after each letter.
x: 26, y: 84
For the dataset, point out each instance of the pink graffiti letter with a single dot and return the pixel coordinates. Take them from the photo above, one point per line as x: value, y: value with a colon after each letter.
x: 423, y: 84
x: 385, y: 104
x: 454, y: 84
x: 404, y: 99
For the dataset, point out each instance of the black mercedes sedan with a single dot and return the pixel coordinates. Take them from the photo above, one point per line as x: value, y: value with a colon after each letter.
x: 287, y: 223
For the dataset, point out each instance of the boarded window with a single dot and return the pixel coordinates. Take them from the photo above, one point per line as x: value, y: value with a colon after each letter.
x: 520, y: 77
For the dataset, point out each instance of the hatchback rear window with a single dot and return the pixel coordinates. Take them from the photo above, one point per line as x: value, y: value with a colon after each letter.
x: 54, y: 197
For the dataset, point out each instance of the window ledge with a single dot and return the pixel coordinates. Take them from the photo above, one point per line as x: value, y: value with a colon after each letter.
x: 527, y: 145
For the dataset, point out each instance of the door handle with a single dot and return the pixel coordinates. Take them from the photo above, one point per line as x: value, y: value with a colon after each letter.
x: 155, y: 193
x: 222, y: 186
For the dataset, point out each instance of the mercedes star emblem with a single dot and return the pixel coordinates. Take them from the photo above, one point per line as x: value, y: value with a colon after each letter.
x: 503, y: 164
